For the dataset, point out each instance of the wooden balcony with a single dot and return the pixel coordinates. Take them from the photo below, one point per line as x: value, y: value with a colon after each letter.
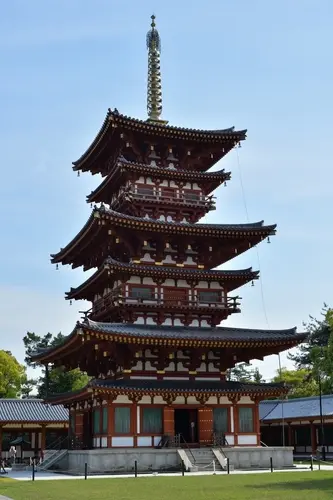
x: 116, y: 299
x: 150, y: 196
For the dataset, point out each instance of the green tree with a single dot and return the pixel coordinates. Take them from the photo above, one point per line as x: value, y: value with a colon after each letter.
x: 58, y: 381
x: 319, y: 333
x: 243, y: 372
x: 12, y: 375
x: 301, y: 382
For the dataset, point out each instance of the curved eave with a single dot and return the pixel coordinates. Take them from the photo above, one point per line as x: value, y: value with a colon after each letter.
x: 114, y: 119
x: 255, y: 231
x: 108, y: 186
x: 235, y: 279
x: 72, y: 341
x: 99, y: 387
x: 116, y: 333
x: 212, y: 230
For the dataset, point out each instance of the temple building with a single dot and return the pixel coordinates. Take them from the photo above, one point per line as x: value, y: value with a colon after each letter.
x: 151, y: 340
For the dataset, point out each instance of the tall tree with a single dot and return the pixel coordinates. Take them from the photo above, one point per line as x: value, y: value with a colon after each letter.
x: 12, y: 375
x: 59, y: 381
x: 301, y: 382
x: 319, y: 333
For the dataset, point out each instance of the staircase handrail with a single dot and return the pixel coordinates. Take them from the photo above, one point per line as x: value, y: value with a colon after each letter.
x: 187, y: 447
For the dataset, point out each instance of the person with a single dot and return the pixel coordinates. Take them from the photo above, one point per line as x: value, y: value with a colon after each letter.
x: 2, y: 468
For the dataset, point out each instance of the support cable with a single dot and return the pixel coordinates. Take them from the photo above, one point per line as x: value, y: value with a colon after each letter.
x: 263, y: 302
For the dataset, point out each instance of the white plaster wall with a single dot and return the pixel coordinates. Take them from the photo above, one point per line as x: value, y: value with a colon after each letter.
x: 244, y: 439
x: 168, y: 260
x: 122, y: 399
x: 195, y: 322
x: 123, y: 441
x: 158, y: 400
x: 245, y: 400
x: 139, y: 321
x: 134, y: 279
x: 150, y: 321
x: 145, y: 400
x: 148, y: 281
x: 191, y: 400
x: 144, y: 441
x: 169, y: 282
x: 230, y: 439
x: 212, y: 368
x: 180, y: 400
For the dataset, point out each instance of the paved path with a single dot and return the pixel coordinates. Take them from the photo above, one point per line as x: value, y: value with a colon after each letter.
x: 4, y: 498
x: 47, y: 475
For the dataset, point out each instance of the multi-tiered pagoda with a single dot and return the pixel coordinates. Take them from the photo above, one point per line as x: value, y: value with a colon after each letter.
x: 151, y: 340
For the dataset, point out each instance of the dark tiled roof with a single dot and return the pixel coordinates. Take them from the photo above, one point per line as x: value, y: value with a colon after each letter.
x: 192, y: 332
x: 296, y: 408
x: 220, y: 227
x: 216, y: 177
x: 185, y: 385
x: 31, y: 410
x: 243, y: 275
x: 209, y: 334
x: 148, y: 128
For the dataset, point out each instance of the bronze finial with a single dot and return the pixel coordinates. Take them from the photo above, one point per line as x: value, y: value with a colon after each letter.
x: 154, y: 87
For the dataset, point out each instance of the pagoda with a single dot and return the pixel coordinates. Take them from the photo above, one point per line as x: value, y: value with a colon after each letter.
x: 151, y: 340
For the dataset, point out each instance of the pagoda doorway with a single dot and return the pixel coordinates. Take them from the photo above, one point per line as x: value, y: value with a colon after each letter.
x: 186, y: 424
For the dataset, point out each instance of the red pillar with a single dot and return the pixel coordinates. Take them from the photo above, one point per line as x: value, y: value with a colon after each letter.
x: 236, y: 423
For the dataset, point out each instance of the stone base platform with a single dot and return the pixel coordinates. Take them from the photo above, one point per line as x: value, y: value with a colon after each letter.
x: 258, y: 457
x: 108, y: 461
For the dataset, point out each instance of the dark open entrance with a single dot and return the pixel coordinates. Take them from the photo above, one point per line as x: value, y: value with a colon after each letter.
x: 186, y: 424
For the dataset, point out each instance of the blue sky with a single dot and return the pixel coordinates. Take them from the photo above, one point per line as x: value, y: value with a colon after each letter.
x: 261, y: 65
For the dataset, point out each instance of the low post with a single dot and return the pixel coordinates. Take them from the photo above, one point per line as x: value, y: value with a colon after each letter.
x: 183, y: 468
x: 228, y: 465
x: 311, y: 466
x: 271, y: 461
x: 85, y: 471
x: 33, y: 470
x: 136, y: 468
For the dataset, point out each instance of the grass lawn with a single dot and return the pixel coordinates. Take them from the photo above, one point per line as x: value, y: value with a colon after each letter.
x: 276, y: 486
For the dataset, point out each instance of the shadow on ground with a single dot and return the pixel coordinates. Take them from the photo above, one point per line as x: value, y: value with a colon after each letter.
x: 306, y: 484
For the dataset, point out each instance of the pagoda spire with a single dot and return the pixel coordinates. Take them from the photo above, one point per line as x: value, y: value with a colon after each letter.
x: 154, y: 87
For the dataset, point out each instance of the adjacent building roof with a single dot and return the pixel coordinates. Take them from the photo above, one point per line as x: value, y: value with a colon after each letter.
x: 300, y: 408
x: 115, y: 120
x: 31, y: 410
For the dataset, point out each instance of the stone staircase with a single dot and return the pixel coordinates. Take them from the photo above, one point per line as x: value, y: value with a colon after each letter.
x: 203, y: 459
x: 51, y: 457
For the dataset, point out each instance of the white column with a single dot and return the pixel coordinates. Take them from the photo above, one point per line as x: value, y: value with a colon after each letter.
x: 232, y: 427
x: 138, y: 419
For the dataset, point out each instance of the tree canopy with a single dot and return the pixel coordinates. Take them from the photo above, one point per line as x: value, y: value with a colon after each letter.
x: 12, y: 375
x: 59, y: 381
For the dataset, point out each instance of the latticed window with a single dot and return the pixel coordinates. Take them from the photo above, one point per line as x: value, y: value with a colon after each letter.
x: 209, y: 296
x: 152, y: 421
x: 192, y: 195
x: 140, y: 292
x: 122, y: 420
x: 220, y: 420
x: 96, y: 421
x: 245, y: 418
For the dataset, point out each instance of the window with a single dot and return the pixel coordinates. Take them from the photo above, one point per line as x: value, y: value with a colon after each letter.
x: 245, y: 419
x: 139, y: 292
x: 192, y: 195
x: 209, y: 296
x: 220, y: 420
x: 105, y: 420
x: 148, y: 190
x: 152, y: 421
x: 122, y: 420
x: 96, y: 421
